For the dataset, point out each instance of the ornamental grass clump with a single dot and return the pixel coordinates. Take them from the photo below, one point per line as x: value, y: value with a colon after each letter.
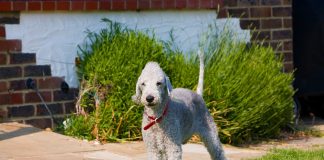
x: 110, y: 63
x: 245, y: 89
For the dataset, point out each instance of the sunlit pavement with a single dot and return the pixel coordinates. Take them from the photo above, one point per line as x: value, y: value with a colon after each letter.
x: 23, y: 142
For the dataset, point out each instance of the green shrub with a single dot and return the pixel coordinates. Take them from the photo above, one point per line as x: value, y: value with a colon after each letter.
x: 80, y: 126
x: 111, y: 62
x: 245, y: 89
x: 249, y: 90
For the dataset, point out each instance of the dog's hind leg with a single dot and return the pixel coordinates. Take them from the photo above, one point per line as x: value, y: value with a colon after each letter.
x: 209, y: 135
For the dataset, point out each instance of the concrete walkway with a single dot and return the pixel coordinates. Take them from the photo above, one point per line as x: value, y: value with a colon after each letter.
x: 23, y: 142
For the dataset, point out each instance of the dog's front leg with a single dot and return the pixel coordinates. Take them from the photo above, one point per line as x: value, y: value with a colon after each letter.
x: 152, y: 138
x: 173, y: 141
x: 174, y: 152
x: 154, y: 154
x: 152, y: 146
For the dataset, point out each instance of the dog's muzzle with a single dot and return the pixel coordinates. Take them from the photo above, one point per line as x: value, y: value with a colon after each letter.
x: 149, y: 99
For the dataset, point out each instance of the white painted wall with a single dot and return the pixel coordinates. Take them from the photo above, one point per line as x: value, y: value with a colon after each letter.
x: 54, y: 36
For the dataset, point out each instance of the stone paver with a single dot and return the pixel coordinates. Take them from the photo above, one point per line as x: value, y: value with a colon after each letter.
x: 23, y: 142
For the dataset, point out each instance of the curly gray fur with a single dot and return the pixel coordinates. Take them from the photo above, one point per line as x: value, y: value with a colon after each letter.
x: 187, y: 115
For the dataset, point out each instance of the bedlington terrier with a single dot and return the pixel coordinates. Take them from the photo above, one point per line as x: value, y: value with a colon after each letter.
x: 171, y: 117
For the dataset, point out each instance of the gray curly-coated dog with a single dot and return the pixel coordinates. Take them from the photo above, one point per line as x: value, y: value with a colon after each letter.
x: 171, y: 117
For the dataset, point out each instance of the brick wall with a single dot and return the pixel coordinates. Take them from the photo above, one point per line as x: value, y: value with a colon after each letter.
x: 104, y: 5
x: 269, y: 20
x: 17, y: 103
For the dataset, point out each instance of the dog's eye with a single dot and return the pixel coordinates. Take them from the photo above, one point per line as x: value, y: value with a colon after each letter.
x: 158, y: 83
x: 143, y: 84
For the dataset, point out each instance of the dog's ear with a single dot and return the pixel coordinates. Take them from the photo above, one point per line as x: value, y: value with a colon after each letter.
x: 168, y: 84
x: 138, y: 93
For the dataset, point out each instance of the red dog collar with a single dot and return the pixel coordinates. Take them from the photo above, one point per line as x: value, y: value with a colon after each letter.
x: 154, y: 120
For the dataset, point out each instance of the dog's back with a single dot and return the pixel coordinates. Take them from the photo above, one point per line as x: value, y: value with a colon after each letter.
x: 189, y: 108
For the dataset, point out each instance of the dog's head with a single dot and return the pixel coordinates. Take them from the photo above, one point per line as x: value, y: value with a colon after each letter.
x: 153, y: 86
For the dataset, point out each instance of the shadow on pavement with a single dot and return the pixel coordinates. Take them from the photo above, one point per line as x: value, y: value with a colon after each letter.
x: 8, y: 132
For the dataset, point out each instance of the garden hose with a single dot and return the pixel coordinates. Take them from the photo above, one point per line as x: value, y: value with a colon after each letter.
x: 30, y: 83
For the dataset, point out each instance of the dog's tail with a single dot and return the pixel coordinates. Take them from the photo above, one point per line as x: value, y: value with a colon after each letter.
x: 200, y: 87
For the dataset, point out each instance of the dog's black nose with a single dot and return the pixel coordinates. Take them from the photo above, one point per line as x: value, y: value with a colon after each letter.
x: 149, y: 98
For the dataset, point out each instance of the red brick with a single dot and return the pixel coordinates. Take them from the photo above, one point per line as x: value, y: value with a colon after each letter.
x: 61, y: 96
x: 282, y: 11
x: 34, y: 6
x: 288, y: 56
x: 10, y: 72
x: 25, y: 58
x: 21, y: 111
x: 287, y: 2
x: 2, y: 31
x: 217, y: 3
x: 91, y: 5
x: 49, y: 5
x: 156, y: 4
x: 281, y: 34
x: 287, y: 23
x: 55, y: 109
x: 9, y: 18
x: 131, y: 5
x: 3, y: 86
x: 248, y: 3
x: 222, y: 13
x: 3, y: 113
x: 261, y: 35
x: 143, y: 4
x: 11, y: 98
x: 288, y: 46
x: 63, y: 5
x: 50, y: 83
x: 181, y: 4
x: 169, y: 4
x: 32, y: 97
x: 249, y: 24
x: 5, y: 6
x: 4, y: 99
x: 19, y: 5
x: 37, y: 70
x: 271, y: 23
x: 288, y: 67
x: 193, y: 4
x: 276, y: 45
x: 10, y: 45
x: 17, y: 85
x: 230, y: 3
x: 105, y: 5
x: 271, y: 2
x: 3, y: 59
x: 15, y: 98
x: 69, y: 108
x: 118, y: 5
x: 239, y: 12
x: 260, y: 12
x: 77, y: 5
x: 206, y: 4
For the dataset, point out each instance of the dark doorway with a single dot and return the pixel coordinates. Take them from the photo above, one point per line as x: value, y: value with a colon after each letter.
x: 308, y: 41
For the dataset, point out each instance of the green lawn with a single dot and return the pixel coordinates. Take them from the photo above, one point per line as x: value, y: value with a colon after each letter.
x: 294, y: 154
